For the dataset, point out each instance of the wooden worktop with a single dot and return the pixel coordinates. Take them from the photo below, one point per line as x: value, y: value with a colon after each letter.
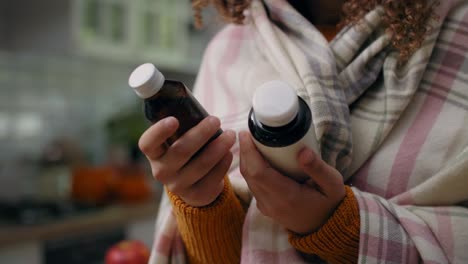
x: 108, y: 218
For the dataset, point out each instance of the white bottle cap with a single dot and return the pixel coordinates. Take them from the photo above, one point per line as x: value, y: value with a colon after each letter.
x: 275, y: 104
x: 146, y: 80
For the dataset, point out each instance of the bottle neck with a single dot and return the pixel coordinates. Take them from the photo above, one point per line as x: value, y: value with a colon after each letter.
x: 284, y: 135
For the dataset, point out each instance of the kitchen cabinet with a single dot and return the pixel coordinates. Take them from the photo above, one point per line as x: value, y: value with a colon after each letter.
x: 129, y: 32
x: 160, y: 31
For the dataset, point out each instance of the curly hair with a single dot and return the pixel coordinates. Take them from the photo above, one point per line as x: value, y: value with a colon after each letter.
x: 232, y: 11
x: 406, y: 20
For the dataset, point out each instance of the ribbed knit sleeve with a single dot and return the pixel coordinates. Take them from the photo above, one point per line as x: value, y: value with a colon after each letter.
x: 338, y: 240
x: 211, y: 234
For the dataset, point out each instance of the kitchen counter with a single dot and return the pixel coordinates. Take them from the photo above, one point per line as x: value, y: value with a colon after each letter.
x: 103, y: 219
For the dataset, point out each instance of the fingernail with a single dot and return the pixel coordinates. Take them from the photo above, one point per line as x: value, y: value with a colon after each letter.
x: 242, y: 135
x: 213, y: 120
x: 170, y: 122
x: 230, y: 134
x: 306, y: 156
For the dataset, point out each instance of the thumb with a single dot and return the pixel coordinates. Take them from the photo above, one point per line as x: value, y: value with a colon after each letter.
x: 323, y: 175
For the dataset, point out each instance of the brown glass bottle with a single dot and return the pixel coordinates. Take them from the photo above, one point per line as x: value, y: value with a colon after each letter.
x: 174, y: 99
x: 164, y: 98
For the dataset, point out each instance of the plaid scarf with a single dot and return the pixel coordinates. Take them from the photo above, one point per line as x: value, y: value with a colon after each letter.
x: 395, y: 132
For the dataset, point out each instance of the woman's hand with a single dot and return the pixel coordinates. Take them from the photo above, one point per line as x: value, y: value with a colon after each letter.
x: 197, y: 181
x: 298, y: 207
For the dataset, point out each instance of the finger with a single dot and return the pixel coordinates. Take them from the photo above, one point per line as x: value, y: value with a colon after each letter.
x: 263, y: 180
x: 325, y: 176
x: 209, y: 187
x: 262, y: 207
x: 204, y: 162
x: 160, y: 173
x: 260, y: 176
x: 152, y: 142
x: 186, y: 146
x: 252, y: 164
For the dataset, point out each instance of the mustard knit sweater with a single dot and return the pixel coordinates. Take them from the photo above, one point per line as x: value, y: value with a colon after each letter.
x: 213, y: 234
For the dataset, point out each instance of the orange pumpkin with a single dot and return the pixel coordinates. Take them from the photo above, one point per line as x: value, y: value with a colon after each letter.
x: 131, y: 185
x: 92, y: 184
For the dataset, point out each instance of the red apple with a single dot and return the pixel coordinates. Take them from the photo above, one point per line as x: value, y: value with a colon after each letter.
x: 128, y: 252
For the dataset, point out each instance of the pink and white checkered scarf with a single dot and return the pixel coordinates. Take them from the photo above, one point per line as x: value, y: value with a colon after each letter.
x: 398, y: 134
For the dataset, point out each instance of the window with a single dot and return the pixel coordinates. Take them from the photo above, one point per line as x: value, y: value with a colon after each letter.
x: 117, y: 23
x: 103, y: 19
x: 91, y: 15
x: 149, y: 32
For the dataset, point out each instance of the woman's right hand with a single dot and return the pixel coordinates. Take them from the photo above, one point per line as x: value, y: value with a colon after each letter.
x: 197, y: 181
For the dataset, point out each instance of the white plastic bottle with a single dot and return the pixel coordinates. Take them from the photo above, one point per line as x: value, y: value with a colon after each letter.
x: 281, y: 125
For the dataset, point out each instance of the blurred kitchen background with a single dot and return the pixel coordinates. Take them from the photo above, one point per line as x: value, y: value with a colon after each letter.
x: 72, y: 180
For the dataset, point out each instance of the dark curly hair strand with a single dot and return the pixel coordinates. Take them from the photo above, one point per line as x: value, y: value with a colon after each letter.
x: 406, y: 20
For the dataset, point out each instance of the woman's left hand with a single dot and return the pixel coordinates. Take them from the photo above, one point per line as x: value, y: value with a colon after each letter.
x: 300, y: 208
